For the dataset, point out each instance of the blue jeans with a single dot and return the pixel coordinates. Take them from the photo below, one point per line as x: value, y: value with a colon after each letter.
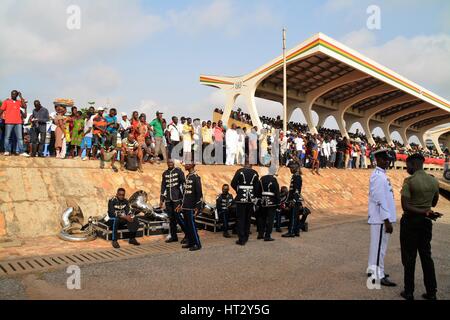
x: 18, y: 132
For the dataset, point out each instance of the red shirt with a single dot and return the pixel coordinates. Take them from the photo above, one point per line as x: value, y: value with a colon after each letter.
x: 11, y: 112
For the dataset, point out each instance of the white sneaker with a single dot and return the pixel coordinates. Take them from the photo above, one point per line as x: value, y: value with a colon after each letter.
x: 6, y: 154
x: 26, y: 155
x: 84, y: 158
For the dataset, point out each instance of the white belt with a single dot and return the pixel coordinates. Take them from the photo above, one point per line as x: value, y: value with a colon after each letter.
x: 268, y: 194
x: 246, y: 187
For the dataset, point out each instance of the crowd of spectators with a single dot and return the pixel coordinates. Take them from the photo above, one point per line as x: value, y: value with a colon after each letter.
x: 103, y: 134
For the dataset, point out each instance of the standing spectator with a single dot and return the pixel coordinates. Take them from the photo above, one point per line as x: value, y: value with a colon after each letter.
x: 180, y: 127
x: 112, y: 127
x: 348, y: 153
x: 86, y: 143
x: 11, y: 110
x: 60, y: 137
x: 333, y: 151
x: 174, y: 136
x: 142, y: 131
x: 207, y: 138
x: 325, y: 152
x: 38, y: 132
x: 197, y: 147
x: 240, y: 151
x: 77, y: 134
x: 158, y: 131
x: 363, y: 155
x: 299, y: 147
x: 125, y: 126
x: 134, y: 123
x: 253, y: 145
x: 231, y: 138
x: 218, y: 142
x: 188, y: 134
x: 99, y: 132
x: 283, y: 147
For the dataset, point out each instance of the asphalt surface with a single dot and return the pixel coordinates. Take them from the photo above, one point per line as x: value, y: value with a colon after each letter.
x: 325, y: 263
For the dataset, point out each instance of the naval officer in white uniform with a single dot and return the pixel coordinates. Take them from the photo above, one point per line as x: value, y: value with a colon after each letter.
x: 382, y: 215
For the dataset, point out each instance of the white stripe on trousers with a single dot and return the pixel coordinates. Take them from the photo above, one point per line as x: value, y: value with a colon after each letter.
x: 379, y: 240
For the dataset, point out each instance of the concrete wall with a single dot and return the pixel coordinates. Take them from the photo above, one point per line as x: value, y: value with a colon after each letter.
x: 34, y: 192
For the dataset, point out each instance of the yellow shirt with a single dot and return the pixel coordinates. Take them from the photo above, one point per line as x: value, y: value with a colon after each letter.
x: 206, y: 135
x: 188, y: 131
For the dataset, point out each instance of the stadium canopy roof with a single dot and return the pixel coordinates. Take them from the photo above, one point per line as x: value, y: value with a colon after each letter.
x: 331, y: 79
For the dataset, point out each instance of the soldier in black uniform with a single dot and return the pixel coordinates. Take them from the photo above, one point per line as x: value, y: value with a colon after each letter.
x: 282, y: 208
x: 294, y: 200
x: 223, y: 204
x: 171, y: 196
x: 191, y: 206
x: 120, y: 216
x: 245, y: 182
x: 269, y: 194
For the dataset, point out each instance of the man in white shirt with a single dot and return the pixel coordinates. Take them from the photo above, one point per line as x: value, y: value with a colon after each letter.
x: 231, y: 140
x: 333, y: 150
x: 125, y: 126
x: 174, y: 135
x: 240, y: 152
x: 299, y: 145
x: 382, y: 215
x: 324, y: 151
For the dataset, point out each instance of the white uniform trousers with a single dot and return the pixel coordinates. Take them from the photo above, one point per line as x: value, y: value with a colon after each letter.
x: 378, y: 246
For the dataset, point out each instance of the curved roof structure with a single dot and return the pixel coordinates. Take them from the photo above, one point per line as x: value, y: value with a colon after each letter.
x: 331, y: 79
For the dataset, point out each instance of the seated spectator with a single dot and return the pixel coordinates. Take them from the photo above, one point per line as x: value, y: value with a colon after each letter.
x: 108, y: 153
x: 130, y: 147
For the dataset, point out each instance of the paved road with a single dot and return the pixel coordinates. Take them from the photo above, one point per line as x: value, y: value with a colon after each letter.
x: 326, y: 263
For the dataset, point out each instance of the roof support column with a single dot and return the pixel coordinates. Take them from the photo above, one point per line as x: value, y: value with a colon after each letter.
x: 249, y: 96
x: 387, y: 133
x: 408, y: 124
x: 315, y: 94
x: 435, y: 139
x: 339, y: 116
x: 307, y: 112
x: 323, y: 115
x: 368, y: 131
x: 231, y: 97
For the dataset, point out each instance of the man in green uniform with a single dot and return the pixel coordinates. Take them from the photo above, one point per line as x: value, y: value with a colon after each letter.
x: 420, y: 193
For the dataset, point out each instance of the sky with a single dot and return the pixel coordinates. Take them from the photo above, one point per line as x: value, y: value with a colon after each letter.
x: 148, y: 55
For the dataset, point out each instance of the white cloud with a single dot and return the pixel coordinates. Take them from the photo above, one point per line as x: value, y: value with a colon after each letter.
x: 220, y: 15
x: 423, y: 59
x: 338, y: 5
x: 34, y: 35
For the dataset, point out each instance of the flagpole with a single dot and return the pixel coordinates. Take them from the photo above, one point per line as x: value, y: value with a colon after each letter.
x: 284, y: 83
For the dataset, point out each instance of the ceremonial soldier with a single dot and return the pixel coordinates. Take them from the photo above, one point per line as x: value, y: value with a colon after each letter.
x: 295, y: 201
x: 269, y: 201
x: 282, y: 208
x: 420, y: 193
x: 119, y: 216
x: 245, y: 182
x: 381, y: 216
x: 223, y: 204
x: 191, y: 206
x: 171, y: 196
